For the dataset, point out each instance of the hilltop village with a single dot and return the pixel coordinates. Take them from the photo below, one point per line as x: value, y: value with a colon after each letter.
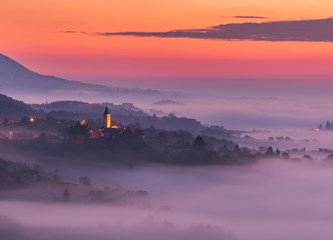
x: 58, y: 142
x: 108, y: 130
x: 108, y: 141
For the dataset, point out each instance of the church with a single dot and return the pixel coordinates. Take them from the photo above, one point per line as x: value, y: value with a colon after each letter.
x: 107, y: 118
x: 108, y: 128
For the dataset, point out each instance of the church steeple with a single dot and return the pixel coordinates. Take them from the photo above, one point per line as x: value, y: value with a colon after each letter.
x: 106, y: 110
x: 107, y: 118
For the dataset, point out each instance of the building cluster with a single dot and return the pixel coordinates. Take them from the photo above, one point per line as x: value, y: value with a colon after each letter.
x: 108, y: 130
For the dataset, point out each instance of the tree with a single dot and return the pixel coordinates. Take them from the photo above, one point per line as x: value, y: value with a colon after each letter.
x: 236, y: 148
x: 285, y: 155
x: 307, y: 157
x: 80, y: 129
x: 277, y: 152
x: 66, y: 195
x: 41, y: 139
x: 269, y: 151
x: 199, y: 142
x: 224, y: 149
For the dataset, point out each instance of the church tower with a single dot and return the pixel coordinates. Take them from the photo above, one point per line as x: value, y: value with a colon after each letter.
x: 107, y: 118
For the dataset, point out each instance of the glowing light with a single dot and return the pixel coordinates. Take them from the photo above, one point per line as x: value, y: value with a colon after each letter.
x: 107, y: 120
x: 317, y: 129
x: 32, y: 120
x: 10, y: 135
x: 115, y: 125
x: 83, y: 122
x: 91, y: 133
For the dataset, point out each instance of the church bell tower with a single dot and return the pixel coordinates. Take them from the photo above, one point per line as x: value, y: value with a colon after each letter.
x: 107, y: 118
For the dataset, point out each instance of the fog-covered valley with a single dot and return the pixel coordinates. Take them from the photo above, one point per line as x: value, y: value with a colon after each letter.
x: 251, y: 164
x: 247, y: 192
x: 271, y: 195
x: 273, y: 199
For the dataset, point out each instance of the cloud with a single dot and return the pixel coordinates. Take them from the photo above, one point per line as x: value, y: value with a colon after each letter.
x: 319, y: 30
x: 248, y: 17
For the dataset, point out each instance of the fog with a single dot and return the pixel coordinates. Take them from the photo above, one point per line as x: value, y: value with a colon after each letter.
x: 240, y: 108
x: 307, y: 138
x: 273, y: 199
x: 248, y: 110
x: 245, y: 111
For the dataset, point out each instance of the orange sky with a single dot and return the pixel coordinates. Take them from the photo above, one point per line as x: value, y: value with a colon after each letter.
x: 32, y: 32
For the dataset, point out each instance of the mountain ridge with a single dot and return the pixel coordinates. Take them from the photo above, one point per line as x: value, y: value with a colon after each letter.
x: 15, y: 77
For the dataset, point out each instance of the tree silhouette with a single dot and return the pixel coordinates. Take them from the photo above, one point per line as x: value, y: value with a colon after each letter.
x: 199, y: 142
x: 236, y: 148
x: 270, y: 151
x: 285, y: 155
x: 66, y: 195
x: 277, y: 152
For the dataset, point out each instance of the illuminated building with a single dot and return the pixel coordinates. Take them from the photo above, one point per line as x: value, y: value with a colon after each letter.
x: 107, y: 118
x: 109, y: 129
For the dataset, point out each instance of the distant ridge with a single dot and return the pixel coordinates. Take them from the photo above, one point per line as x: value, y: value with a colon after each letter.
x: 15, y: 78
x: 13, y: 75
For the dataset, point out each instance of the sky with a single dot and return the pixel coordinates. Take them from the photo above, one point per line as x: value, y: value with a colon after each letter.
x: 157, y: 44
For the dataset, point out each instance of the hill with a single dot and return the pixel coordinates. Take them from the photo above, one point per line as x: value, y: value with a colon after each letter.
x: 13, y: 109
x: 79, y: 106
x: 125, y: 113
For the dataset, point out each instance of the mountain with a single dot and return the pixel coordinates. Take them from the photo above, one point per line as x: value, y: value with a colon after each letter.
x: 15, y: 79
x: 14, y: 75
x: 13, y: 109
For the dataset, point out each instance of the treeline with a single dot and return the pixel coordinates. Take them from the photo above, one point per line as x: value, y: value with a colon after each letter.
x: 134, y: 145
x: 328, y: 126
